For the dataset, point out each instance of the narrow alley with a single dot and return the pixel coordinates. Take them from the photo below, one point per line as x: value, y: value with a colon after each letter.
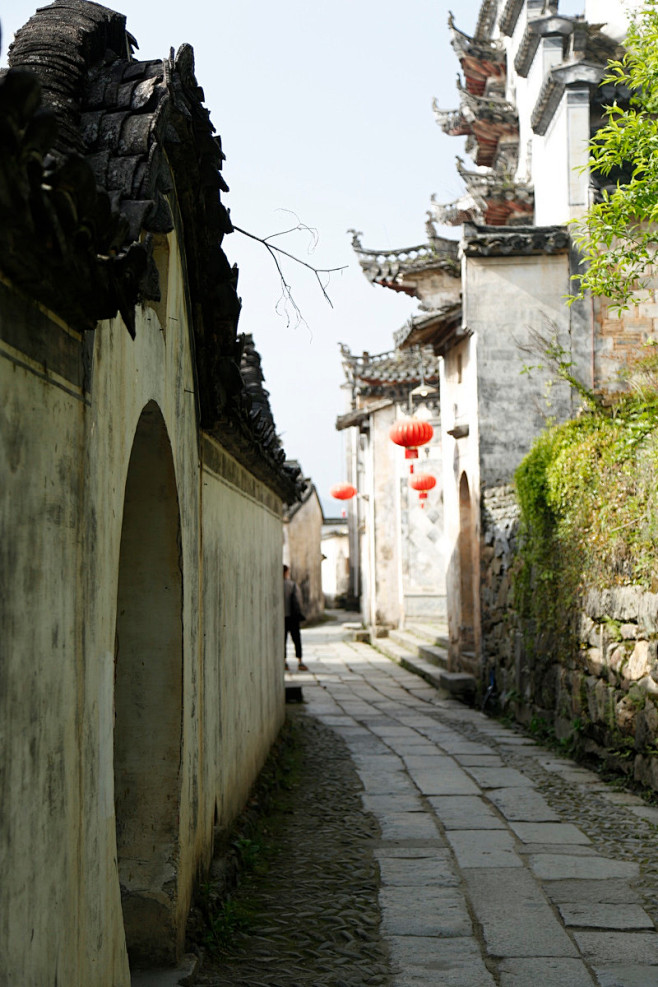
x: 500, y: 862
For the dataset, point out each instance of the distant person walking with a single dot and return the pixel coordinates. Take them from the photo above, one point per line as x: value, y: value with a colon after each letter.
x: 294, y: 615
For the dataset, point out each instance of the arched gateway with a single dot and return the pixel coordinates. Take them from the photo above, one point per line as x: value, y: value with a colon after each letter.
x: 149, y: 696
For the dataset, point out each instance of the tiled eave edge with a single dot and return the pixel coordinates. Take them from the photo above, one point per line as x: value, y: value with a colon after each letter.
x: 238, y: 440
x: 509, y: 17
x: 512, y: 11
x: 352, y: 419
x: 535, y: 30
x: 385, y: 267
x: 486, y: 20
x: 496, y: 241
x: 555, y: 84
x: 424, y: 331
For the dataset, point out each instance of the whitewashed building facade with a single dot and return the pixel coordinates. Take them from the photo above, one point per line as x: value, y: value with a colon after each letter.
x: 529, y: 97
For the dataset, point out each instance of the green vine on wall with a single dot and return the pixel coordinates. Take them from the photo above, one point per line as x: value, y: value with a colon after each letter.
x: 588, y: 494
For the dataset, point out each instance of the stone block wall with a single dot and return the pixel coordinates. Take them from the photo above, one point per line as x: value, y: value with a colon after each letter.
x: 612, y: 688
x: 499, y: 528
x: 604, y: 695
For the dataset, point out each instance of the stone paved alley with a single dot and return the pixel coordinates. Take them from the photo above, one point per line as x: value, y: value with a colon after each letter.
x: 500, y: 862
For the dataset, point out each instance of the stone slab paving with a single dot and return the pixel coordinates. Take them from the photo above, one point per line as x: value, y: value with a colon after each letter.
x: 500, y: 864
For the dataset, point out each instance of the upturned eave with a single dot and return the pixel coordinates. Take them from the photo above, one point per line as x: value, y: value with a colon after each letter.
x: 389, y: 268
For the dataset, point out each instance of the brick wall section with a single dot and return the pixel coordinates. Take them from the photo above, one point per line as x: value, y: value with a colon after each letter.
x: 621, y: 335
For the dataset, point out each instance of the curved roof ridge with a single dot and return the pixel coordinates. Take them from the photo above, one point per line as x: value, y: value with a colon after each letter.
x: 127, y: 134
x: 59, y: 44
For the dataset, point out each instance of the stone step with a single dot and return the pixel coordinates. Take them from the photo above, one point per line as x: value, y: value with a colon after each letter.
x: 396, y: 646
x: 428, y: 632
x: 432, y: 653
x: 461, y: 685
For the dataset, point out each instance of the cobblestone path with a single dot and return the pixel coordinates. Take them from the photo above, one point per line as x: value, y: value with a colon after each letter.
x: 498, y: 862
x: 317, y: 916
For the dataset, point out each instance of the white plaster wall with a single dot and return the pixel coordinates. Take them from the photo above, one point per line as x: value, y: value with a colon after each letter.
x: 243, y: 632
x: 385, y: 582
x: 550, y: 170
x: 506, y: 298
x: 41, y: 828
x: 303, y: 536
x: 335, y: 562
x: 127, y: 374
x: 63, y: 515
x: 65, y: 466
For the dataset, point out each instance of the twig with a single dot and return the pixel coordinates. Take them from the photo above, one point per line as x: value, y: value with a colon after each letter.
x: 317, y: 271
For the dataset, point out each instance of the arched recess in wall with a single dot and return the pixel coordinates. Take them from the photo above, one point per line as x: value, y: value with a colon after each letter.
x: 149, y: 697
x: 466, y: 573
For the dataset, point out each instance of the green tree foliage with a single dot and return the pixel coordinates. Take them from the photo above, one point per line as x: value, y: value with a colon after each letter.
x: 618, y: 236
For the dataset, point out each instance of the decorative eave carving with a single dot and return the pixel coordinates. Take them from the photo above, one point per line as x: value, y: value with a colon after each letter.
x: 480, y: 60
x: 488, y: 107
x: 391, y: 374
x: 462, y: 210
x: 485, y: 119
x: 451, y: 122
x: 556, y: 82
x: 541, y: 27
x: 389, y: 267
x: 487, y: 241
x: 492, y: 199
x: 506, y: 159
x: 501, y: 200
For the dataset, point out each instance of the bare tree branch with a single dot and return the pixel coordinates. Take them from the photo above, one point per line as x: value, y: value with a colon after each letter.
x: 317, y: 271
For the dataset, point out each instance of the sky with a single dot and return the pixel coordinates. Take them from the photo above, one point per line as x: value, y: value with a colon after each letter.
x: 325, y: 115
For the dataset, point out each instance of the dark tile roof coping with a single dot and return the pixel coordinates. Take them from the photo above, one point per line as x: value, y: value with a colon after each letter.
x: 541, y: 27
x: 352, y: 419
x: 500, y: 241
x: 581, y: 73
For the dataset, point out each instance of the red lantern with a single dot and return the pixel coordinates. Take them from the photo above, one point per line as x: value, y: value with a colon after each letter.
x: 343, y: 491
x: 422, y: 482
x: 411, y: 433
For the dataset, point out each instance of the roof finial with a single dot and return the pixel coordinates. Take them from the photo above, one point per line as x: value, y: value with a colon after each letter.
x: 356, y: 239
